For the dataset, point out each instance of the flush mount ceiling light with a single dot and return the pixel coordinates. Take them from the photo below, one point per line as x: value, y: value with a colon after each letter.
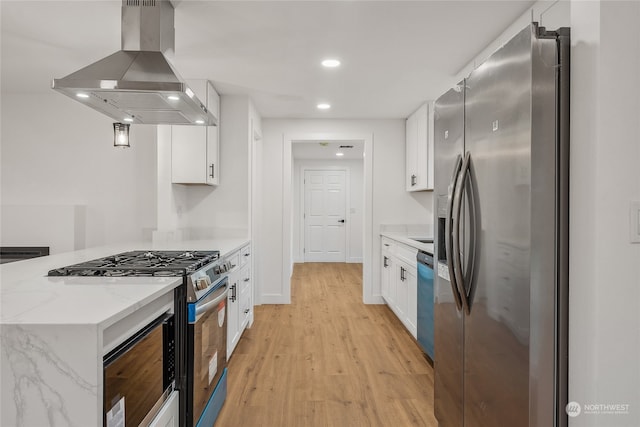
x: 121, y: 135
x: 339, y: 154
x: 331, y: 63
x: 128, y: 119
x: 173, y: 98
x: 82, y: 95
x: 323, y: 106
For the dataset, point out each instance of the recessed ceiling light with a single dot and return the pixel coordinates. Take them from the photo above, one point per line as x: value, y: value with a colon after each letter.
x: 173, y: 97
x: 200, y: 122
x: 128, y: 119
x: 82, y: 95
x: 339, y: 154
x: 330, y: 63
x: 323, y: 106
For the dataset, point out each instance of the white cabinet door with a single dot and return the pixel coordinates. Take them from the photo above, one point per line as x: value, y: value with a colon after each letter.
x: 213, y: 138
x: 233, y: 307
x: 245, y: 296
x: 419, y: 149
x: 411, y: 280
x: 195, y: 149
x: 411, y: 147
x: 402, y: 291
x: 386, y: 277
x: 169, y: 415
x: 240, y: 298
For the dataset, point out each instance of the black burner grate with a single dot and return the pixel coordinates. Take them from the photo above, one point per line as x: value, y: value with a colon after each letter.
x: 141, y: 263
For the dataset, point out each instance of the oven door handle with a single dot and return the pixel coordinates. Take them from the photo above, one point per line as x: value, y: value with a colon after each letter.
x: 207, y: 305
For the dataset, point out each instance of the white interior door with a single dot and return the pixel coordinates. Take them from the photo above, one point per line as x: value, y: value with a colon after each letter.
x: 324, y: 216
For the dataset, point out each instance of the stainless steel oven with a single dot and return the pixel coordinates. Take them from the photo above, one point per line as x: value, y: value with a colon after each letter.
x: 139, y: 375
x: 201, y: 334
x: 207, y: 356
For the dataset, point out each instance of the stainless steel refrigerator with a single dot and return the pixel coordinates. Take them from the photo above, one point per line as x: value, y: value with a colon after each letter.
x: 501, y: 286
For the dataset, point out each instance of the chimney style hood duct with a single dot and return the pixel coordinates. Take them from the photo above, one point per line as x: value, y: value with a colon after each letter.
x: 138, y: 84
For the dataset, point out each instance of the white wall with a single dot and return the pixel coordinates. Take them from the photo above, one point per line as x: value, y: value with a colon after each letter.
x: 604, y: 338
x: 354, y: 206
x: 223, y: 210
x: 202, y: 211
x: 390, y: 204
x: 57, y: 152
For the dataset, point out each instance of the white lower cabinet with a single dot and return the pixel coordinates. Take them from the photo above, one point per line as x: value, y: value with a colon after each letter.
x: 388, y: 292
x: 240, y: 298
x: 399, y: 282
x: 169, y: 415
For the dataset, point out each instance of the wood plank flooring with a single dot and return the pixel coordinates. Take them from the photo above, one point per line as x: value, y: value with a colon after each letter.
x: 327, y: 359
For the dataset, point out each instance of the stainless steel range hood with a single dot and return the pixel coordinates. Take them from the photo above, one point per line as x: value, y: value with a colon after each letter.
x: 138, y: 84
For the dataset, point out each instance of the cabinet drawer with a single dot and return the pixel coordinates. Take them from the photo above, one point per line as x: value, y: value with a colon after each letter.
x: 234, y: 259
x: 244, y: 278
x: 245, y: 255
x: 388, y: 245
x: 407, y: 254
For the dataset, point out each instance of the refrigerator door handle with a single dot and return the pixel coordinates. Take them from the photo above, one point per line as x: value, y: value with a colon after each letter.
x: 448, y: 233
x: 455, y: 233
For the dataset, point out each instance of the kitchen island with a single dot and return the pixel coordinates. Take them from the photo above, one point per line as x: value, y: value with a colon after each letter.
x: 55, y: 331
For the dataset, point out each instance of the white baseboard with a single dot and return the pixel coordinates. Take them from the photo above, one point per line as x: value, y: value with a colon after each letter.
x: 273, y: 299
x: 374, y: 299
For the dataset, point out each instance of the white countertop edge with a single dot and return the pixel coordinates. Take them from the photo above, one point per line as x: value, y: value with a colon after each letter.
x: 406, y: 240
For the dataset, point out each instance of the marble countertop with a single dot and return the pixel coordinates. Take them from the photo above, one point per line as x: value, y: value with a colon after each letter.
x: 28, y: 296
x: 407, y: 239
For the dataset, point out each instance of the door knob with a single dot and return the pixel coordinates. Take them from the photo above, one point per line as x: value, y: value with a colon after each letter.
x: 341, y: 220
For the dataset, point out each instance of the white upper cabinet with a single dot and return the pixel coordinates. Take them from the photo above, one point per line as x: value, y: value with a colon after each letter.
x: 419, y: 149
x: 195, y: 149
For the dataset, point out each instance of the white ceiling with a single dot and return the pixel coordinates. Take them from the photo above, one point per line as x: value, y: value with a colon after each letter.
x: 394, y: 54
x: 326, y: 150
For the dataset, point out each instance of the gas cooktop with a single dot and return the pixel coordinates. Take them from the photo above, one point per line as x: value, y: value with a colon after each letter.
x: 142, y: 263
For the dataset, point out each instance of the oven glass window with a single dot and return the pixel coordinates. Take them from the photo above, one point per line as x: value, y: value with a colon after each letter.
x: 210, y: 355
x: 134, y: 381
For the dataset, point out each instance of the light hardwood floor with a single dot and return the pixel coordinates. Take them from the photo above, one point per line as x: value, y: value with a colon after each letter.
x: 327, y: 360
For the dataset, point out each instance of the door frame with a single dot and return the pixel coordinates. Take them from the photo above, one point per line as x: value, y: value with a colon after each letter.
x: 287, y: 208
x: 347, y: 205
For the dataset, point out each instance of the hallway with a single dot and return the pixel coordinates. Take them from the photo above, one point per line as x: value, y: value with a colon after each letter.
x: 327, y: 360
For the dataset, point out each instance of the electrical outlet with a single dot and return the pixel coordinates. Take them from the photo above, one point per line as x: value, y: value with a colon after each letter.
x: 634, y: 222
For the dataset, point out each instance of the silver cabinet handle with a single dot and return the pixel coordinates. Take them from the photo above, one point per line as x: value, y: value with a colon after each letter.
x: 402, y: 270
x: 448, y: 233
x: 212, y: 170
x: 247, y: 279
x: 385, y: 262
x: 414, y: 180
